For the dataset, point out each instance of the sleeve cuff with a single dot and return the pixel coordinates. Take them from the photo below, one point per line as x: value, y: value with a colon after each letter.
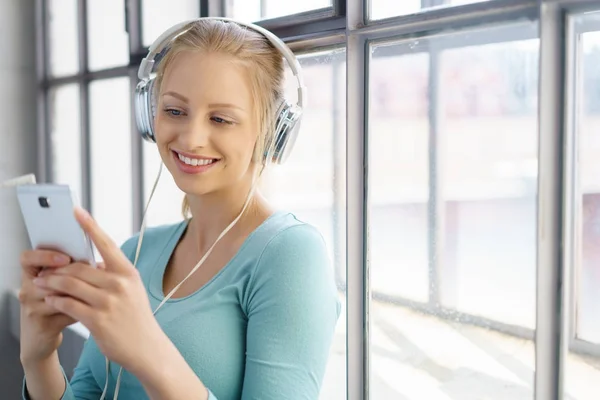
x: 67, y: 395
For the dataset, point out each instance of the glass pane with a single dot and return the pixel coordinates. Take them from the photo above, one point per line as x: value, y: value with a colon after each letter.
x: 452, y: 211
x: 488, y: 128
x: 398, y: 172
x: 393, y: 8
x: 110, y: 144
x: 165, y: 207
x: 108, y: 41
x: 588, y: 322
x: 63, y: 38
x: 159, y: 15
x: 583, y: 361
x: 65, y: 136
x: 254, y: 10
x: 312, y: 181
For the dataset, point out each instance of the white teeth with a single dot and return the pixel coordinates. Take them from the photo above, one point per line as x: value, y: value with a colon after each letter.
x: 194, y: 161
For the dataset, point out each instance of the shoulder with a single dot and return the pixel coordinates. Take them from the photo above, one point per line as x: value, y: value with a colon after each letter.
x: 291, y: 240
x: 152, y: 239
x: 294, y: 265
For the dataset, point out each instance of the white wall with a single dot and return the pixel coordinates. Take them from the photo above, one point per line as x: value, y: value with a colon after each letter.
x: 17, y: 156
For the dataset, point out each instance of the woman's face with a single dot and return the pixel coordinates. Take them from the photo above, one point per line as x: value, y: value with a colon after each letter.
x: 205, y: 125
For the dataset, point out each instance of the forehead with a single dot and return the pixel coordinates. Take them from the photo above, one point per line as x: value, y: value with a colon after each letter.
x: 208, y: 76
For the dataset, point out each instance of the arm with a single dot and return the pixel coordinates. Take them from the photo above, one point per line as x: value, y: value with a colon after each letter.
x: 292, y: 311
x: 46, y: 380
x: 83, y: 386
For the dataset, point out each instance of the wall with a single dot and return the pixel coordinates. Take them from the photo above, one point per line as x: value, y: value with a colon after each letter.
x: 17, y: 156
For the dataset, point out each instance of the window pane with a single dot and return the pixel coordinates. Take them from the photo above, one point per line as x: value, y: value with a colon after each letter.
x: 489, y: 148
x: 165, y: 207
x: 452, y: 207
x: 398, y: 173
x: 254, y: 10
x: 159, y: 15
x: 392, y: 8
x: 582, y: 371
x: 312, y: 182
x: 65, y: 136
x: 588, y: 323
x: 111, y: 156
x: 108, y: 41
x: 63, y: 37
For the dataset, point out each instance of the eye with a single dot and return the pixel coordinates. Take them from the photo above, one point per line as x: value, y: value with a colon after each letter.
x: 173, y: 112
x: 220, y: 120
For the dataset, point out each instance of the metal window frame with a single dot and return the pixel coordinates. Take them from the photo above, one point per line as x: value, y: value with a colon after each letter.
x: 347, y: 23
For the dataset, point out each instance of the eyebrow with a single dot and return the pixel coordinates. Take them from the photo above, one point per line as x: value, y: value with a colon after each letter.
x: 213, y: 105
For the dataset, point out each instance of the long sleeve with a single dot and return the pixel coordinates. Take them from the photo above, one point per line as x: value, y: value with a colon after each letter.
x: 83, y: 386
x: 292, y: 313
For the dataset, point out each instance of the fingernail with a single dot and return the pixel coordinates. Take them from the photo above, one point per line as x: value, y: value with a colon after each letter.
x: 62, y: 259
x: 38, y: 281
x: 83, y: 213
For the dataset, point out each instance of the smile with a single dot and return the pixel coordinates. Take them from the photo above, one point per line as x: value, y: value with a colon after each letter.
x: 193, y: 165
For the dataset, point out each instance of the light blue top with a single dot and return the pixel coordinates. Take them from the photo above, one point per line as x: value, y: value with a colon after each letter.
x: 260, y: 329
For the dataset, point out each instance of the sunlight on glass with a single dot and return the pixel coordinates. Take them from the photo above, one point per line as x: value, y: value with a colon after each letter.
x: 65, y: 137
x: 452, y: 231
x: 255, y: 10
x: 108, y: 42
x: 582, y: 371
x: 165, y: 207
x: 111, y: 169
x: 398, y: 153
x: 63, y: 37
x: 159, y: 15
x: 393, y: 8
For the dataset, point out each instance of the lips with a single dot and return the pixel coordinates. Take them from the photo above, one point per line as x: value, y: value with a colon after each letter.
x: 192, y: 164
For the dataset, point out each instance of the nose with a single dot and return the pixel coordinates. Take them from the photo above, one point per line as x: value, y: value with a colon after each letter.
x: 196, y: 133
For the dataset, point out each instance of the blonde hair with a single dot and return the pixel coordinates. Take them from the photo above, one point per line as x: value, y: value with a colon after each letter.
x: 254, y: 52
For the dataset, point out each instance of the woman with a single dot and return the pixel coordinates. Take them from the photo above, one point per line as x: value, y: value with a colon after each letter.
x: 256, y: 320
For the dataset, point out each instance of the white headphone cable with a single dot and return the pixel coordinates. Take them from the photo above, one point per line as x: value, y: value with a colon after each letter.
x: 172, y: 292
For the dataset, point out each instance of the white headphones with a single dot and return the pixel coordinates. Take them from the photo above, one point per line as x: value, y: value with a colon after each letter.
x: 288, y: 114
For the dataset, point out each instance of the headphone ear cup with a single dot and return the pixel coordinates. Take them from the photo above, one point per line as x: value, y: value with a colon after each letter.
x: 145, y: 109
x: 286, y: 131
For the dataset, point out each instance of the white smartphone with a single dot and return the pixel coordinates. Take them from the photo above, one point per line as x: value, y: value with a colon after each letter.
x: 48, y: 213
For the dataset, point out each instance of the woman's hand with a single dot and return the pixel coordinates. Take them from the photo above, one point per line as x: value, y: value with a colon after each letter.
x: 110, y: 301
x: 41, y: 324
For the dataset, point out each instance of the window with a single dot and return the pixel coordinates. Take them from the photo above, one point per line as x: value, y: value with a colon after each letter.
x: 158, y: 16
x: 488, y: 175
x: 65, y: 137
x: 584, y: 327
x: 165, y: 207
x: 110, y: 144
x: 588, y: 323
x: 311, y: 183
x: 63, y: 37
x: 255, y: 10
x: 108, y: 42
x: 392, y: 8
x: 452, y: 205
x: 399, y: 172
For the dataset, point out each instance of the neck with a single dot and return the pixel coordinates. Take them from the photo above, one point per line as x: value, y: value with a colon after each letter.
x: 214, y: 212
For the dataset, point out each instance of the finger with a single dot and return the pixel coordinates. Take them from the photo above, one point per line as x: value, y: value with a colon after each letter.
x: 73, y: 287
x: 33, y: 260
x: 111, y: 253
x: 71, y: 307
x: 84, y: 272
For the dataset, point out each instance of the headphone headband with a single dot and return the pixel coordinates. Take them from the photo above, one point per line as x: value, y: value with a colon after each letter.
x: 288, y: 115
x: 172, y: 33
